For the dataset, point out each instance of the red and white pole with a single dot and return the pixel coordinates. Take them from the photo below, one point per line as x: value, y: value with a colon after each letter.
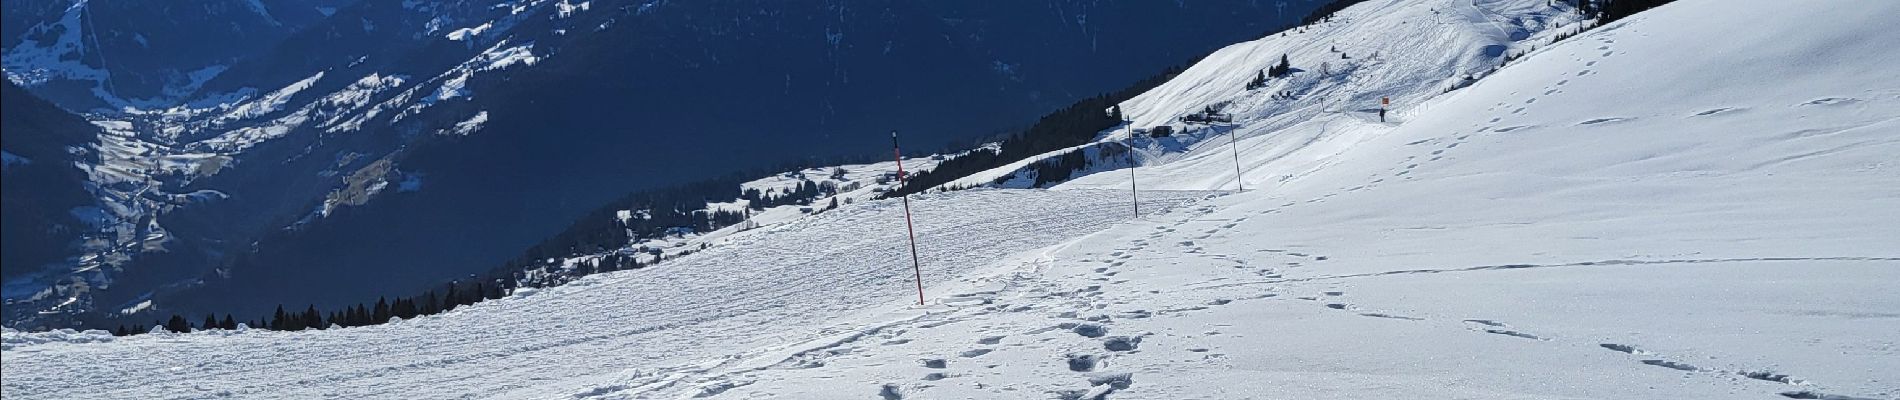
x: 908, y: 226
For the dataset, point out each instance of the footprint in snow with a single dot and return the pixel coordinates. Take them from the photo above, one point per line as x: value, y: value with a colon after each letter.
x: 1391, y: 316
x: 1487, y: 322
x: 1083, y: 362
x: 1715, y: 111
x: 1122, y: 343
x: 1672, y: 365
x: 1512, y: 333
x: 1089, y: 330
x: 1828, y: 101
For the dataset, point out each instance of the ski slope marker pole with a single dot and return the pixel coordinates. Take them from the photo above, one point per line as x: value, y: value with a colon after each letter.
x: 916, y: 265
x: 1133, y: 198
x: 1233, y: 142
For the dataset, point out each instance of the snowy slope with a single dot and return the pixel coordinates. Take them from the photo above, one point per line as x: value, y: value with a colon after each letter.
x: 1408, y: 51
x: 859, y: 182
x: 1725, y: 211
x: 1613, y: 216
x: 650, y: 331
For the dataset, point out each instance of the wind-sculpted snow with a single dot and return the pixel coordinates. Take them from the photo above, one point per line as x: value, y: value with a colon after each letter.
x: 759, y: 291
x: 10, y: 338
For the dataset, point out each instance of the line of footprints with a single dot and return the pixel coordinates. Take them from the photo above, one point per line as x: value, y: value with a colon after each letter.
x: 1331, y: 300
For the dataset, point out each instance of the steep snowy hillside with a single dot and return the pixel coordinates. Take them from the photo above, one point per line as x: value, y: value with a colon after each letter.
x: 86, y: 54
x: 1696, y: 202
x: 46, y: 202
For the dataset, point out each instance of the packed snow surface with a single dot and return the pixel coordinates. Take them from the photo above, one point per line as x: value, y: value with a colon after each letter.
x: 1698, y: 202
x: 761, y: 293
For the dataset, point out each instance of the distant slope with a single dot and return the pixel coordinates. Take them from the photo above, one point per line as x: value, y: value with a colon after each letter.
x: 45, y: 196
x: 87, y: 55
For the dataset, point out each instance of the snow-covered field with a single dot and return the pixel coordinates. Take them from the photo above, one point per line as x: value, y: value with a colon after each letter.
x: 754, y: 299
x: 1698, y: 202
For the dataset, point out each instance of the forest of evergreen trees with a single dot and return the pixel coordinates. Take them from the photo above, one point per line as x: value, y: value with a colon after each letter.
x: 1070, y: 126
x: 454, y: 294
x: 1607, y: 11
x: 660, y: 213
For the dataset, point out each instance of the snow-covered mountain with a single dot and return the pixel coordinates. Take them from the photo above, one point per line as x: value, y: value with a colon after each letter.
x: 110, y: 54
x: 426, y: 140
x: 1693, y: 202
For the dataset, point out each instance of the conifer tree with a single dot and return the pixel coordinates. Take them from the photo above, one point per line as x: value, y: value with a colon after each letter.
x: 381, y: 313
x: 480, y: 293
x: 211, y: 322
x: 429, y: 304
x: 405, y: 308
x: 1282, y: 69
x: 451, y: 299
x: 312, y: 319
x: 277, y: 321
x: 178, y: 324
x: 228, y: 323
